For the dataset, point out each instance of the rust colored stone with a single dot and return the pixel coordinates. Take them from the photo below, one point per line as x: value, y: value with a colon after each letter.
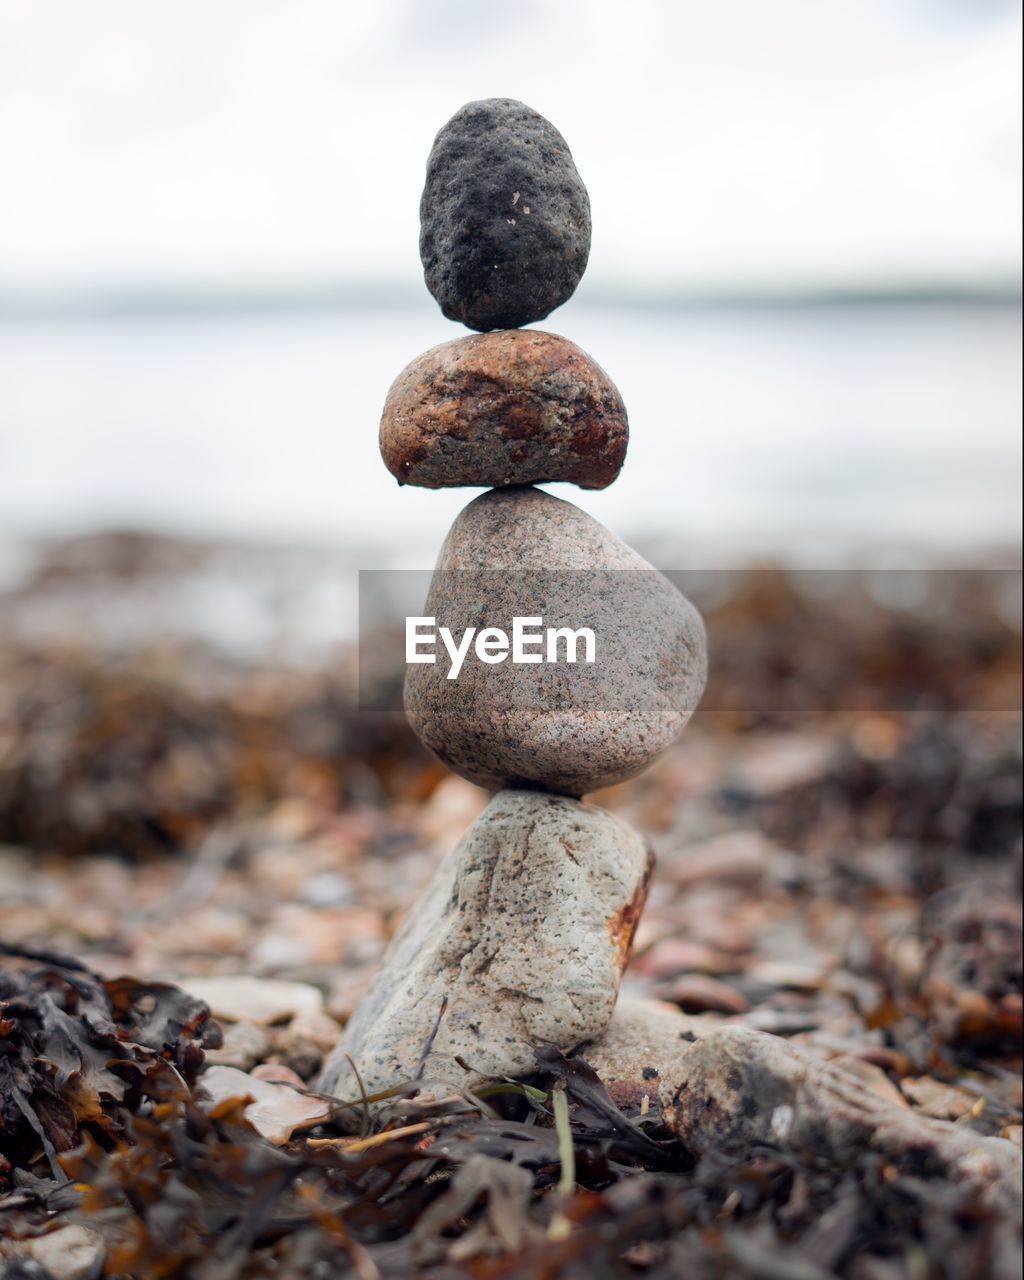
x: 513, y: 407
x: 622, y: 926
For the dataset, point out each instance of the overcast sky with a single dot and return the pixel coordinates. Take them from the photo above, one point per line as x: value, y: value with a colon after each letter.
x: 730, y: 143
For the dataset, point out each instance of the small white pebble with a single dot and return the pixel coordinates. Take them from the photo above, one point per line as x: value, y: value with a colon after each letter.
x: 69, y: 1253
x: 782, y: 1122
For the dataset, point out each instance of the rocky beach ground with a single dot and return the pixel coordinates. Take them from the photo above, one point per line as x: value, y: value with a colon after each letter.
x: 838, y: 863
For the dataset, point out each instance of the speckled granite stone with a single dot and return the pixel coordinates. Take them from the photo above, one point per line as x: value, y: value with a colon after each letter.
x: 562, y: 728
x: 730, y: 1084
x: 514, y: 407
x: 642, y: 1045
x: 525, y: 931
x: 504, y: 217
x: 745, y: 1087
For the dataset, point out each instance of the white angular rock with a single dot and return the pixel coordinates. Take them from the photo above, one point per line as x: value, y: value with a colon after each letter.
x: 240, y: 998
x: 524, y: 931
x: 71, y: 1252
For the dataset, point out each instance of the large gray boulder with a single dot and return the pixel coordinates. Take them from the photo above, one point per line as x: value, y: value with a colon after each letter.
x: 566, y: 727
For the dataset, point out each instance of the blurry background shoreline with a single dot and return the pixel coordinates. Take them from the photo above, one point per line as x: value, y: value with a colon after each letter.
x: 819, y: 429
x: 805, y: 276
x: 805, y: 281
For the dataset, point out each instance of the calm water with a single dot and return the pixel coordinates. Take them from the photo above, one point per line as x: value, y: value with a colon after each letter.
x: 813, y: 432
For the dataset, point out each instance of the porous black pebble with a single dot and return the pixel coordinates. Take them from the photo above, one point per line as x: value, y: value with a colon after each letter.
x: 504, y: 218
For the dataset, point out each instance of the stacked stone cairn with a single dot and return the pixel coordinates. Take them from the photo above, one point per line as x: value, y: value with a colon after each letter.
x: 521, y: 939
x: 523, y: 935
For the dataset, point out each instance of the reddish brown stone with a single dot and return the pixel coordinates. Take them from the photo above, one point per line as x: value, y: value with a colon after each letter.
x: 513, y: 407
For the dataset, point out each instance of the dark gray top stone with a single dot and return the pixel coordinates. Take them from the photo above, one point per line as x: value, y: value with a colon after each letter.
x: 504, y: 217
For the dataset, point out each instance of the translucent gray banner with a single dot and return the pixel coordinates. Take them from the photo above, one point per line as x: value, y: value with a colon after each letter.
x: 779, y: 642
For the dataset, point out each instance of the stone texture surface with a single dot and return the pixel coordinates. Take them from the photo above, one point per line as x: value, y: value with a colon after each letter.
x: 567, y: 728
x: 640, y: 1047
x: 515, y: 407
x: 504, y: 217
x: 524, y: 931
x: 731, y: 1085
x: 738, y: 1085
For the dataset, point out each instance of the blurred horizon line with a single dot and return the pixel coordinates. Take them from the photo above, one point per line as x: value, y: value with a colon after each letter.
x: 346, y: 295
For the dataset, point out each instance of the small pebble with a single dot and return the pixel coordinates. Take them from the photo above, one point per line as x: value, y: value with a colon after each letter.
x: 328, y: 889
x: 672, y: 956
x: 276, y: 1111
x: 738, y: 857
x: 699, y: 993
x: 238, y: 997
x: 795, y: 977
x: 244, y: 1045
x: 69, y: 1253
x: 319, y: 1028
x: 278, y: 1073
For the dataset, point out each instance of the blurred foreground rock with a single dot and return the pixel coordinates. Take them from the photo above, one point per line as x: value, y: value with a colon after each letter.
x: 277, y: 1110
x: 68, y: 1253
x: 737, y: 1088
